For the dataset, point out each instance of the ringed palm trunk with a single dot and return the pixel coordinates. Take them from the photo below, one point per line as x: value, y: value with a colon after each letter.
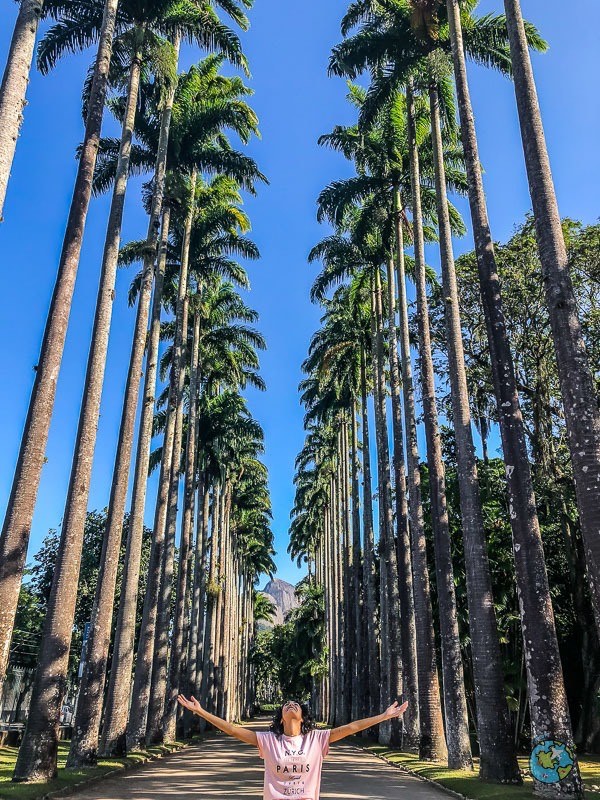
x: 14, y: 87
x: 208, y: 648
x: 339, y: 563
x: 389, y: 592
x: 407, y: 609
x: 550, y: 716
x: 203, y: 599
x: 84, y: 744
x: 140, y: 697
x: 497, y: 760
x: 159, y: 667
x: 580, y: 401
x: 112, y: 741
x: 343, y: 550
x: 356, y: 643
x: 349, y: 626
x: 177, y: 646
x: 334, y: 533
x: 217, y: 687
x: 113, y: 738
x: 455, y: 702
x: 209, y: 675
x: 115, y: 718
x: 158, y: 684
x: 194, y: 662
x: 371, y: 615
x: 432, y: 741
x: 19, y: 512
x: 334, y: 564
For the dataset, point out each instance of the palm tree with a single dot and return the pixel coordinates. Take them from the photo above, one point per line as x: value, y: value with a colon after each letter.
x: 379, y: 154
x: 194, y: 123
x: 156, y: 632
x: 157, y: 699
x: 85, y: 740
x: 497, y: 757
x: 14, y: 86
x: 580, y: 405
x: 177, y: 665
x: 161, y: 18
x: 334, y: 360
x: 548, y: 706
x: 455, y: 703
x: 16, y: 528
x: 430, y: 36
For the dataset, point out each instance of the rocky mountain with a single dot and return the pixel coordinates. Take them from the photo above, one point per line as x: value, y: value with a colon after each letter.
x: 283, y: 595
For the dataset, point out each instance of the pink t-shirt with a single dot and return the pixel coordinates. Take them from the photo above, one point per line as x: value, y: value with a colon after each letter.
x: 293, y: 763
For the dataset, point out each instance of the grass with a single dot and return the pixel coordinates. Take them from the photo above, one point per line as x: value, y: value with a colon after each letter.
x: 67, y: 778
x: 469, y: 785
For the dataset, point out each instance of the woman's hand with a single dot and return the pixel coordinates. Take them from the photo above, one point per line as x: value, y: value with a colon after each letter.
x: 395, y: 710
x: 192, y: 704
x: 243, y: 734
x: 362, y: 724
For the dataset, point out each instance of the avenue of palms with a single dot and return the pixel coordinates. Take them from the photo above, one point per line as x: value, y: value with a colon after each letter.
x: 446, y: 498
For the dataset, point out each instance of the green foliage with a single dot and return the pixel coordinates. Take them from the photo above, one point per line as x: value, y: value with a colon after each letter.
x: 291, y: 656
x: 36, y: 590
x: 67, y: 779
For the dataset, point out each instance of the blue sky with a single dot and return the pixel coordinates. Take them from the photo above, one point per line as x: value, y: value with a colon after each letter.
x: 288, y: 50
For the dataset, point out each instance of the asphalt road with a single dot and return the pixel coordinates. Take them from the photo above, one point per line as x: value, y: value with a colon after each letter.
x: 225, y: 767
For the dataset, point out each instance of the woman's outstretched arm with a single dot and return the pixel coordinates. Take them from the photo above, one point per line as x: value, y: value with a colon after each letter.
x: 361, y: 724
x: 243, y: 734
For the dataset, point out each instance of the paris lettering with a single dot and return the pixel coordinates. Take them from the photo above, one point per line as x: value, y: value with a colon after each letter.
x: 292, y: 769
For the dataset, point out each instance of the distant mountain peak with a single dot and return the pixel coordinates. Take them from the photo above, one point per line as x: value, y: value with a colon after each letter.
x: 283, y: 594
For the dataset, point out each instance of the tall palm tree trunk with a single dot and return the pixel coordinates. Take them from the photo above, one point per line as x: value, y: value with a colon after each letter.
x: 14, y: 87
x: 16, y: 528
x: 432, y: 741
x: 202, y: 580
x: 177, y: 647
x: 138, y: 711
x: 142, y: 681
x: 214, y: 687
x: 349, y: 624
x: 548, y: 703
x: 371, y: 616
x: 356, y: 641
x: 112, y: 740
x: 580, y: 401
x: 497, y: 759
x: 217, y: 687
x: 211, y: 607
x: 333, y: 565
x: 389, y: 591
x: 455, y: 702
x: 84, y: 743
x: 407, y: 609
x: 158, y: 687
x: 194, y: 662
x: 229, y: 643
x: 158, y: 684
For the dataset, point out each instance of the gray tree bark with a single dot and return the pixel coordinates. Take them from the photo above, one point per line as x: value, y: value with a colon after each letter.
x: 14, y: 87
x: 16, y: 528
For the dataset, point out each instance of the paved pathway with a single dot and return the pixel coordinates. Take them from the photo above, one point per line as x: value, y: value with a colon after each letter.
x: 226, y: 767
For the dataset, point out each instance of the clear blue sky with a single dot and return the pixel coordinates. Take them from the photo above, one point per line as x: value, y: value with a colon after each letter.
x: 288, y: 49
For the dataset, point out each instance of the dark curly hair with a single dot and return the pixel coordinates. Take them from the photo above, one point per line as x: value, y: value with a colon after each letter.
x: 307, y: 720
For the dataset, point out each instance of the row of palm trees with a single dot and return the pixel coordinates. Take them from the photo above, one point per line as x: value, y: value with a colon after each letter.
x: 210, y: 545
x: 409, y: 154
